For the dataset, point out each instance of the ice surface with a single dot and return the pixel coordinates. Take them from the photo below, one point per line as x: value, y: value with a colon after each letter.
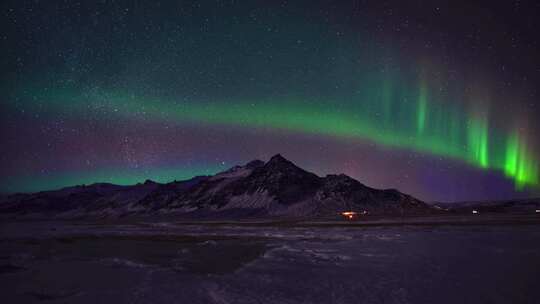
x: 83, y: 262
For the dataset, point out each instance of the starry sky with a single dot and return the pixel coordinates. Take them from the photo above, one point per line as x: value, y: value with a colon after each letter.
x: 436, y: 98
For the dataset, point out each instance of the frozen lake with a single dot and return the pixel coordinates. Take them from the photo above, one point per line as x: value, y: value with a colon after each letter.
x: 81, y: 262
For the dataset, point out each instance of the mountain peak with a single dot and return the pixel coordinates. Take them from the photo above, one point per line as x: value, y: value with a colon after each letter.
x: 149, y: 182
x: 278, y: 159
x: 279, y: 164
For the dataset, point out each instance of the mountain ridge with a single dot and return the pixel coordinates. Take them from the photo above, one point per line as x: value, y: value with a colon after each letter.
x: 276, y: 188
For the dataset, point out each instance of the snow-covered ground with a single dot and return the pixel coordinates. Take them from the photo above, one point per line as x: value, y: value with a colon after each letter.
x: 83, y: 262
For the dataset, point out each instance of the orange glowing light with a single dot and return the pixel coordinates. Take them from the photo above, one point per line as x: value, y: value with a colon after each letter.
x: 349, y: 214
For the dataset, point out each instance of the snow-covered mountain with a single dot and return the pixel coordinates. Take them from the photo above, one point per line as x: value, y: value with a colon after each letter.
x: 277, y: 188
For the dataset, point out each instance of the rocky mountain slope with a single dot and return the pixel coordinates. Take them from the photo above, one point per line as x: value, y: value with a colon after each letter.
x: 277, y: 188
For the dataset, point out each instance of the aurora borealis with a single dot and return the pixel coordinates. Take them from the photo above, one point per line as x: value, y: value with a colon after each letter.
x: 397, y: 97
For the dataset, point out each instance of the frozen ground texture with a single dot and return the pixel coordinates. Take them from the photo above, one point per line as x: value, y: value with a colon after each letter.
x: 84, y: 262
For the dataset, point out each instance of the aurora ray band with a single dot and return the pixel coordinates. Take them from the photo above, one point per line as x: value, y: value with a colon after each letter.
x: 385, y: 114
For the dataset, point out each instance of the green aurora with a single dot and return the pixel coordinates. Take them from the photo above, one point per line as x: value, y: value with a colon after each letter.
x: 386, y: 114
x: 118, y: 176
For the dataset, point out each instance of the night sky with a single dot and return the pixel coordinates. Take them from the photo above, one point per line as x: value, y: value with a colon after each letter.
x: 436, y: 98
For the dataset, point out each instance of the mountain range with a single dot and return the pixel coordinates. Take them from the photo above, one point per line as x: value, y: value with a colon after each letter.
x: 525, y: 205
x: 276, y: 188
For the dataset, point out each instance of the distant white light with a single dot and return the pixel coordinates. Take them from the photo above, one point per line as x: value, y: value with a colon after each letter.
x: 537, y: 210
x: 475, y: 212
